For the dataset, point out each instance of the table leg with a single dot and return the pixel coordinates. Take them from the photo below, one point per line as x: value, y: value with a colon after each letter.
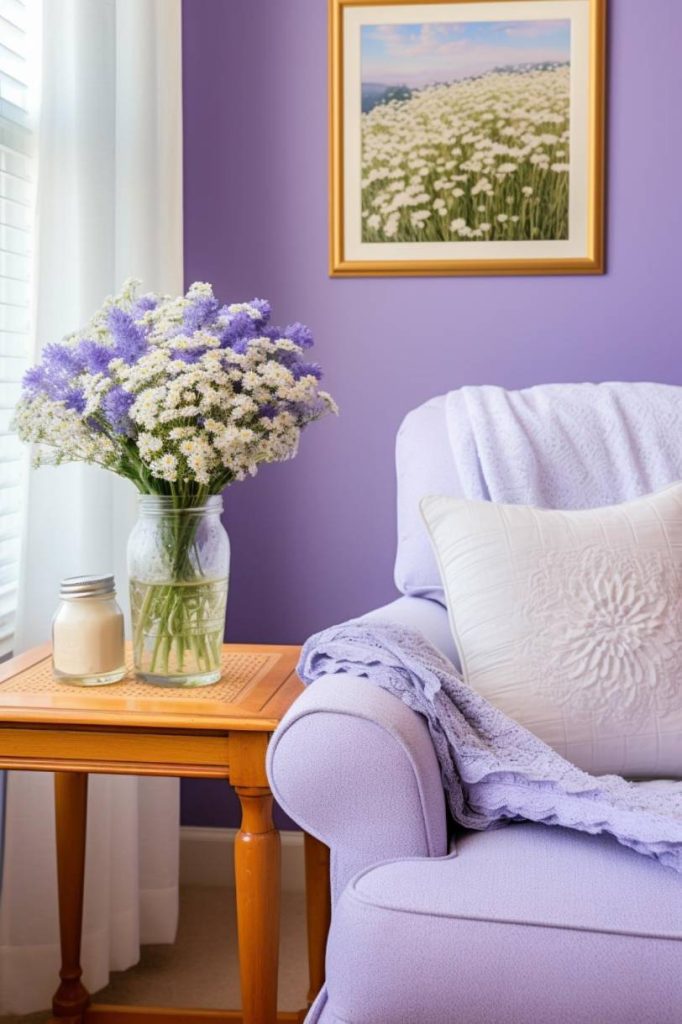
x: 257, y: 879
x: 318, y: 910
x: 71, y: 801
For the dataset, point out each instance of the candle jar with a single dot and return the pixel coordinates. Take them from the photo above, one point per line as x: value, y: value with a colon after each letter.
x: 87, y: 633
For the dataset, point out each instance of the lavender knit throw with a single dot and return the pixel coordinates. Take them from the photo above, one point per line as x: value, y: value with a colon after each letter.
x: 493, y: 769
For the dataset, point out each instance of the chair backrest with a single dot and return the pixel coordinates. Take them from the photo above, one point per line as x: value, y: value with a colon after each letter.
x: 424, y: 465
x: 583, y: 444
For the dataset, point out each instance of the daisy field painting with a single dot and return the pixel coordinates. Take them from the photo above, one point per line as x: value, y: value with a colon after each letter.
x: 470, y: 135
x: 465, y: 131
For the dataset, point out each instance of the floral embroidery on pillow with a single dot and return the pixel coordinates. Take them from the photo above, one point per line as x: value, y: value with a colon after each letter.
x: 606, y: 631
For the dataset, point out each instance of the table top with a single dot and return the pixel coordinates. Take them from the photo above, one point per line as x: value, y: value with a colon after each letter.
x: 258, y: 685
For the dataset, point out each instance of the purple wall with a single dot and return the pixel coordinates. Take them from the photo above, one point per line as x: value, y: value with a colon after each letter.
x: 313, y: 540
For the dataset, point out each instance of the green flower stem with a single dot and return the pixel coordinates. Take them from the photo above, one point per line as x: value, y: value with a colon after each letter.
x: 180, y: 618
x: 175, y: 620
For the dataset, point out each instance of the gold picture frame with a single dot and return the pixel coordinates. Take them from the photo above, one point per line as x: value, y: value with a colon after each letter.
x: 352, y: 256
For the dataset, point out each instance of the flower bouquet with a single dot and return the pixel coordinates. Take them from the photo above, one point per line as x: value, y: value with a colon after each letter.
x: 182, y: 396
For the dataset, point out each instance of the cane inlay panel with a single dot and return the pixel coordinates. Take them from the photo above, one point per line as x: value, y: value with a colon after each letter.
x: 239, y: 671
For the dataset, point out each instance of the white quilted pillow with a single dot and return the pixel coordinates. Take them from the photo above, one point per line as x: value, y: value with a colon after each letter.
x: 571, y: 622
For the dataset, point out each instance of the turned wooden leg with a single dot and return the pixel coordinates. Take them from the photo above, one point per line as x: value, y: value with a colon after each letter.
x: 257, y: 879
x: 71, y: 803
x: 318, y: 910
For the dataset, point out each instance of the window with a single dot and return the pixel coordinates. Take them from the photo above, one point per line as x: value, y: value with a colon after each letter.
x: 18, y: 87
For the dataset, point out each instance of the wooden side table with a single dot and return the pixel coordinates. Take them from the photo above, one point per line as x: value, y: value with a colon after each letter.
x: 129, y: 728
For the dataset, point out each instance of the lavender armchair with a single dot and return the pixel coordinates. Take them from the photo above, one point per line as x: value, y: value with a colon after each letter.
x: 525, y: 923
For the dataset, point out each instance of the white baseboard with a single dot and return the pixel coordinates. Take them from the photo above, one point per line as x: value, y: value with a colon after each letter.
x: 207, y: 858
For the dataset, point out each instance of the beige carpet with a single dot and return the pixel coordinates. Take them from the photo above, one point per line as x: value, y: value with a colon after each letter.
x: 201, y: 969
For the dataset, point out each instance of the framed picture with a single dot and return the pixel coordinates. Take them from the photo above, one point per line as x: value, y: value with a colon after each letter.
x: 466, y: 137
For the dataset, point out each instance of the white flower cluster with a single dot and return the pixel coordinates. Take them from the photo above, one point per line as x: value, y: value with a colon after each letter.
x: 479, y: 159
x: 181, y: 405
x: 61, y: 435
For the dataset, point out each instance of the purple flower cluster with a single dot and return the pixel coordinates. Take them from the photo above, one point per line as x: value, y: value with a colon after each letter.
x: 55, y: 375
x: 200, y: 314
x: 130, y: 338
x: 116, y: 406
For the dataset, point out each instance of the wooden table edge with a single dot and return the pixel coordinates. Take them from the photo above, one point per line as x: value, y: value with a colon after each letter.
x: 37, y: 718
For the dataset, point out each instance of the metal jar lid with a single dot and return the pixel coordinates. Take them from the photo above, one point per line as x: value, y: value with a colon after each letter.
x: 87, y: 586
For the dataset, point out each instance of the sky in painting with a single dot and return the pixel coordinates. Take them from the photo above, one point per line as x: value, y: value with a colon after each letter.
x: 416, y: 55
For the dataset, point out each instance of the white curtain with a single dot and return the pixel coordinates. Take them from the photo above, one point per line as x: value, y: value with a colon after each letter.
x: 109, y: 207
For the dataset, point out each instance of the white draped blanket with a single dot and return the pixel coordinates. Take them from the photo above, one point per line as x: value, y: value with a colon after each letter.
x: 566, y: 446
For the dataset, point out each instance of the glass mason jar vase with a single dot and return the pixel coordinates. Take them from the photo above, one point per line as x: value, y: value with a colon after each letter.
x: 178, y: 568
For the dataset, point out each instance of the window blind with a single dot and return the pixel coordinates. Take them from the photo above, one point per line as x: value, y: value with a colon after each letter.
x: 17, y: 174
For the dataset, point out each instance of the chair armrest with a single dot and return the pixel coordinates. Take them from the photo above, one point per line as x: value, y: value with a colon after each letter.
x: 356, y: 768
